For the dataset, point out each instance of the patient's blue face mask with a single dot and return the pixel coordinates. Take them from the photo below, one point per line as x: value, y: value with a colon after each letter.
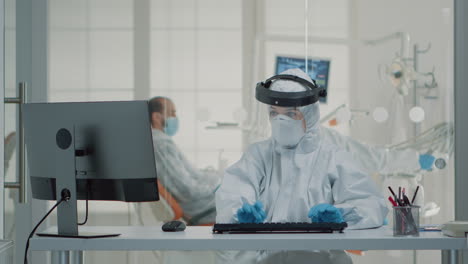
x: 171, y: 126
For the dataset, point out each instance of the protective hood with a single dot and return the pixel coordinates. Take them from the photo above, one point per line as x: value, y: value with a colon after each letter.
x: 311, y: 139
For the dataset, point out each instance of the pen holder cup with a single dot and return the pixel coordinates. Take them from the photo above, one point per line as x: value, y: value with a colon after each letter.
x: 406, y: 220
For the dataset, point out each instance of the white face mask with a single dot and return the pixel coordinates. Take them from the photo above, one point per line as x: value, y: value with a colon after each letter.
x: 287, y: 131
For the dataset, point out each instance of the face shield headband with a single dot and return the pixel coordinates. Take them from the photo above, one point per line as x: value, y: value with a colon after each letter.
x: 264, y: 94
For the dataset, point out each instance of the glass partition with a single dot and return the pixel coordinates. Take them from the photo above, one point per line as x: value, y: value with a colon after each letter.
x: 387, y: 68
x: 403, y: 76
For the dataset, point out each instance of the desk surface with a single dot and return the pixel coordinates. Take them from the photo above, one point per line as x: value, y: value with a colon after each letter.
x: 201, y: 238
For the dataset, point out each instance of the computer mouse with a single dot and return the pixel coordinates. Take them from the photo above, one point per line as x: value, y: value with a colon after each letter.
x: 173, y: 226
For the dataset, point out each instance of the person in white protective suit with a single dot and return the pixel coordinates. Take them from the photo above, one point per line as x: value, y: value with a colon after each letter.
x: 379, y: 159
x: 387, y: 162
x: 295, y: 176
x: 192, y: 188
x: 400, y: 167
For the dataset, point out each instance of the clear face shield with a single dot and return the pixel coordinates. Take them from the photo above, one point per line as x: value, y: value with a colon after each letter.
x: 287, y: 121
x: 290, y: 112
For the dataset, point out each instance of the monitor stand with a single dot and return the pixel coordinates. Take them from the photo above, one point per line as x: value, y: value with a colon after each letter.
x: 84, y: 235
x: 65, y: 179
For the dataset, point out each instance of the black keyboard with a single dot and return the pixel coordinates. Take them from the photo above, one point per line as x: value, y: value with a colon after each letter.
x: 280, y: 227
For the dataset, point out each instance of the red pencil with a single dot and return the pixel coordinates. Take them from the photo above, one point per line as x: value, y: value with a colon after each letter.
x: 392, y: 201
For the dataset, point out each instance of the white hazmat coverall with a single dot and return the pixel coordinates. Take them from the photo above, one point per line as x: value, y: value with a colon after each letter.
x: 372, y: 158
x: 290, y: 181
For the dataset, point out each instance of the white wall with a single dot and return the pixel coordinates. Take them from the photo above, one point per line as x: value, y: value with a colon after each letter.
x: 197, y: 61
x: 91, y: 58
x: 91, y: 50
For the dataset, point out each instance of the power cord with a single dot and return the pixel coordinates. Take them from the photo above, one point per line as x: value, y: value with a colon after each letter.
x: 86, y: 217
x: 65, y: 197
x: 87, y: 198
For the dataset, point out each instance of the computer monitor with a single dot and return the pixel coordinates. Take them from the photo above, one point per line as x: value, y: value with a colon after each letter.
x: 318, y: 69
x: 96, y: 150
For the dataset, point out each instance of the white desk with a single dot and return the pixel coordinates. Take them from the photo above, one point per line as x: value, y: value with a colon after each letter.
x: 141, y: 238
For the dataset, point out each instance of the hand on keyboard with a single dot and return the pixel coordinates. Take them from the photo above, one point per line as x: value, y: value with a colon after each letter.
x: 325, y: 213
x: 251, y: 213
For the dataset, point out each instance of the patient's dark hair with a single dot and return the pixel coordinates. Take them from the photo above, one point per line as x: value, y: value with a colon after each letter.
x: 156, y: 104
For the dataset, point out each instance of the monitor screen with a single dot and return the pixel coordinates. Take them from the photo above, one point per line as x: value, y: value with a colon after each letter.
x: 318, y: 69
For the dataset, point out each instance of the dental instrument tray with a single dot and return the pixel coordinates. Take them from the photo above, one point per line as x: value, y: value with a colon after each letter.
x: 295, y: 227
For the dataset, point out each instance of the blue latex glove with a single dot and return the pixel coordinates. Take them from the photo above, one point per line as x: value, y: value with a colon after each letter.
x: 426, y: 161
x: 251, y: 213
x: 325, y: 213
x: 385, y: 221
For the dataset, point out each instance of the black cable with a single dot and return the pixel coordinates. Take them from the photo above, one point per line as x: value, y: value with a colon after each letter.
x: 87, y: 198
x: 65, y: 197
x: 86, y: 217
